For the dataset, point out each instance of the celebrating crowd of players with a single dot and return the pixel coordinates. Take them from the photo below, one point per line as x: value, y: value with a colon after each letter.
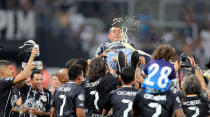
x: 93, y: 88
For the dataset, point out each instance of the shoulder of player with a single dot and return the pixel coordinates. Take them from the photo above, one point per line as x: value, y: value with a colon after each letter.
x: 46, y: 90
x: 140, y: 93
x: 113, y: 92
x: 128, y: 89
x: 6, y: 79
x: 109, y: 76
x: 79, y: 89
x: 25, y: 88
x: 162, y: 62
x: 104, y: 44
x: 204, y: 97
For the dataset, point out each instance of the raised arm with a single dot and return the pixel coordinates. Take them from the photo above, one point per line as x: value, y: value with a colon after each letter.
x: 26, y: 72
x: 197, y: 73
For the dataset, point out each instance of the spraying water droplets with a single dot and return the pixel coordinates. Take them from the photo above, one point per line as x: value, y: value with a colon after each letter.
x: 128, y: 25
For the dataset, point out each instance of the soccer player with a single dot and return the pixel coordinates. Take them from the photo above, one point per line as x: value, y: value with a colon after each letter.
x: 115, y: 36
x: 63, y: 75
x: 116, y: 44
x: 7, y: 80
x: 54, y: 83
x: 121, y: 100
x: 157, y: 105
x: 98, y: 86
x: 160, y: 71
x: 68, y: 98
x: 35, y: 97
x: 194, y: 102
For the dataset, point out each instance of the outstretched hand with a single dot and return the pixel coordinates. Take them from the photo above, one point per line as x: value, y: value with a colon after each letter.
x: 105, y: 52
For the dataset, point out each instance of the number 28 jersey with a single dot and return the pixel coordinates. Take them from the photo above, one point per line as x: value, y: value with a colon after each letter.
x: 67, y: 98
x: 159, y: 76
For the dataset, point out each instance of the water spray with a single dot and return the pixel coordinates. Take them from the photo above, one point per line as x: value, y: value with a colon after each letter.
x: 128, y: 24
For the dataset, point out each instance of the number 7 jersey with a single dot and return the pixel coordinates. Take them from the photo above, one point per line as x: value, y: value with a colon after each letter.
x: 121, y: 100
x: 156, y: 105
x: 196, y: 106
x: 96, y: 91
x: 67, y: 98
x: 159, y: 76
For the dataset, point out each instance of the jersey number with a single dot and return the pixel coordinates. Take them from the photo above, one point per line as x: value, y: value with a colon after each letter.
x: 196, y: 109
x: 130, y: 104
x: 96, y: 98
x: 157, y: 107
x: 63, y: 97
x: 163, y: 75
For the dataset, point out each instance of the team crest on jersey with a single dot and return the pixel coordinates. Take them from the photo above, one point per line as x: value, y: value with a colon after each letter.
x: 81, y: 97
x: 44, y: 98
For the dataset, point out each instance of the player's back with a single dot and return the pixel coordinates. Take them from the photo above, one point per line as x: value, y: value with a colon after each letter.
x: 96, y: 91
x: 65, y: 99
x: 121, y: 100
x: 195, y: 106
x: 155, y: 105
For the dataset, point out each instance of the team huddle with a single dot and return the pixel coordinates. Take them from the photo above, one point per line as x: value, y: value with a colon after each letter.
x: 129, y: 86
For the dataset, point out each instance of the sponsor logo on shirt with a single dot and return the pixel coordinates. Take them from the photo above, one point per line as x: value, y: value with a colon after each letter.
x: 129, y: 93
x: 64, y: 89
x: 192, y: 102
x: 44, y: 98
x: 156, y: 98
x: 93, y: 84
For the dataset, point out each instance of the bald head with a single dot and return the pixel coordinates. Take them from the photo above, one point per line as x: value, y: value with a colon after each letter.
x: 63, y: 76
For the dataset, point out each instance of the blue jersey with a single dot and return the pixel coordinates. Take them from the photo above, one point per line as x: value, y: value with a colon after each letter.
x: 159, y: 76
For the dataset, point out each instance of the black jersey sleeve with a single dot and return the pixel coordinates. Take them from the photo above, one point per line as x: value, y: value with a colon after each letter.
x: 6, y: 82
x: 53, y: 100
x: 204, y: 97
x: 107, y: 105
x: 135, y: 104
x: 111, y: 82
x: 80, y: 99
x: 24, y: 90
x: 176, y: 101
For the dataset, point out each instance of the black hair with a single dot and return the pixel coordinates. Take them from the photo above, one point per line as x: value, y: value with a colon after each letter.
x: 84, y: 65
x: 97, y: 68
x: 118, y: 25
x: 74, y: 71
x: 192, y: 85
x: 35, y: 71
x: 128, y: 74
x: 70, y: 62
